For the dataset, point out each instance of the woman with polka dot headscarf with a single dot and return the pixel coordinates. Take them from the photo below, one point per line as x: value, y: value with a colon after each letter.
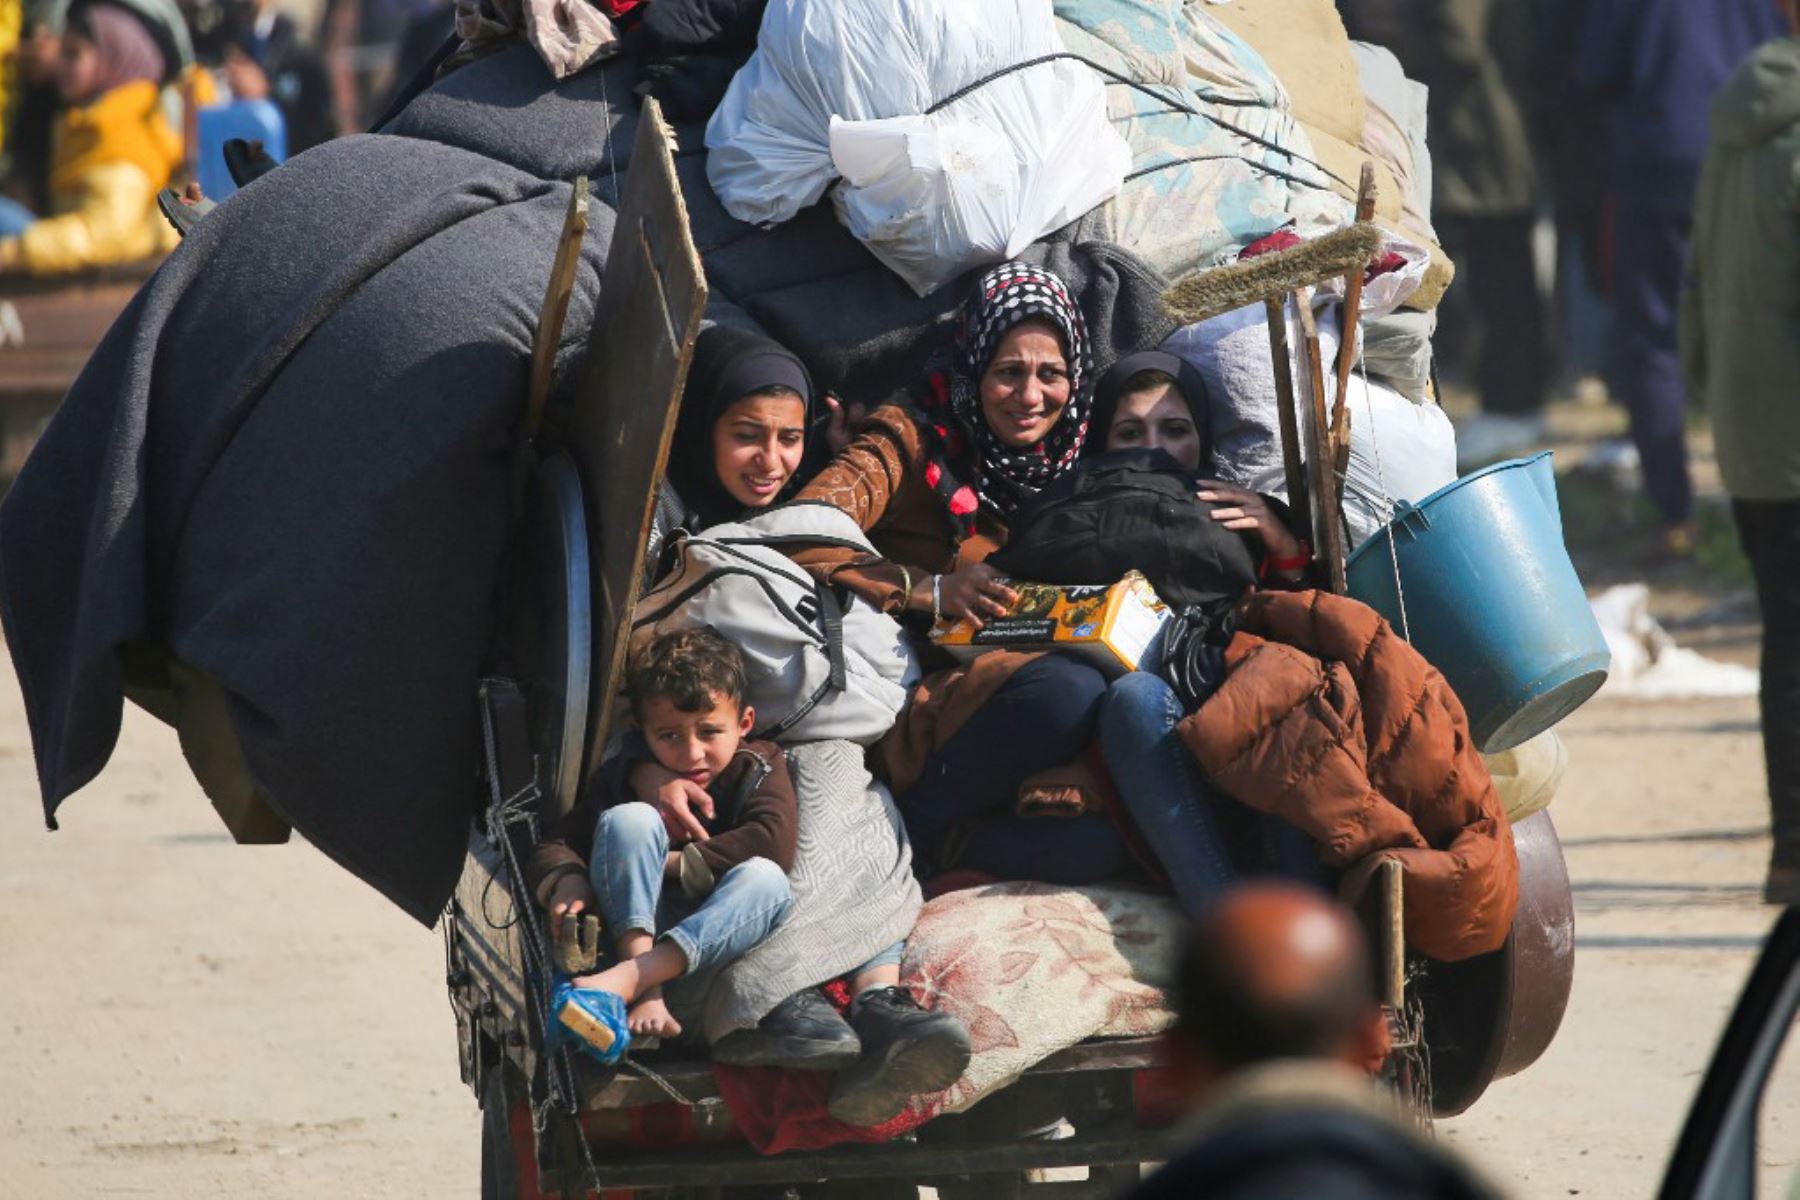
x: 935, y: 485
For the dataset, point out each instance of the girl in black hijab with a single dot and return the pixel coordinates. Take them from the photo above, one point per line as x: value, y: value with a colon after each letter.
x: 1152, y: 400
x: 1203, y: 840
x: 740, y: 439
x: 742, y: 431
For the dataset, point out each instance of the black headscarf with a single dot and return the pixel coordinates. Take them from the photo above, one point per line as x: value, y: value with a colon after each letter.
x: 728, y: 365
x: 1111, y: 389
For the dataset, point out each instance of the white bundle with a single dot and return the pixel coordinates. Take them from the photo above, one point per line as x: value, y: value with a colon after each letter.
x: 841, y: 88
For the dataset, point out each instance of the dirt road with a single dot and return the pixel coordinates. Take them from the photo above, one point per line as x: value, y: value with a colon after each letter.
x: 185, y: 1017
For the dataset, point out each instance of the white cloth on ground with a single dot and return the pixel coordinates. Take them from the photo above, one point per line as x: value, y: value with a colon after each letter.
x: 1648, y: 664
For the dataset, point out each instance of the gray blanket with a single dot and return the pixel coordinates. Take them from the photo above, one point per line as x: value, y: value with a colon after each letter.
x: 286, y: 462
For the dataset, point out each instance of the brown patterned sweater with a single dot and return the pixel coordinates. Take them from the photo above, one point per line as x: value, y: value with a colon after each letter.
x: 879, y: 479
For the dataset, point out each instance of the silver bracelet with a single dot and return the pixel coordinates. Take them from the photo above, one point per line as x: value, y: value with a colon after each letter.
x: 937, y: 599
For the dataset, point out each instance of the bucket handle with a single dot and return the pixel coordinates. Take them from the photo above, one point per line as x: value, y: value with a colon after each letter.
x: 1410, y: 519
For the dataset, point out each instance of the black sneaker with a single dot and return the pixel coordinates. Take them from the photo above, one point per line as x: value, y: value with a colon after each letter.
x: 803, y: 1032
x: 907, y: 1052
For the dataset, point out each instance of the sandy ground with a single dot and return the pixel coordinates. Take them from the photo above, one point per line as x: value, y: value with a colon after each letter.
x: 188, y: 1017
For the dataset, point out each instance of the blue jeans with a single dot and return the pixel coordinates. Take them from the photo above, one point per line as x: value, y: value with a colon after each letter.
x: 1652, y: 250
x: 15, y: 218
x: 1203, y: 839
x: 1042, y: 717
x: 889, y: 957
x: 745, y: 906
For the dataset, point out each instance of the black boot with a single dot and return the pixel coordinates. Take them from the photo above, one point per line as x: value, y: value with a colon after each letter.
x: 803, y: 1032
x: 907, y: 1052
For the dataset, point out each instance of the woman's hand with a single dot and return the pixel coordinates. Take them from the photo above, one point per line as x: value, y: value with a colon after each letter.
x: 1247, y: 512
x: 675, y: 798
x: 837, y: 424
x: 571, y: 896
x: 977, y: 593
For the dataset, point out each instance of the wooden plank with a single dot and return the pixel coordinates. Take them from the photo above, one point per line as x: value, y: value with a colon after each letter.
x: 1322, y: 486
x: 693, y: 1077
x: 1285, y: 413
x: 652, y: 295
x: 1353, y: 289
x: 707, y: 1166
x: 555, y: 310
x: 1389, y: 882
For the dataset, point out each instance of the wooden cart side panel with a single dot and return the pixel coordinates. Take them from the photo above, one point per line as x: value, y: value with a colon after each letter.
x: 652, y: 296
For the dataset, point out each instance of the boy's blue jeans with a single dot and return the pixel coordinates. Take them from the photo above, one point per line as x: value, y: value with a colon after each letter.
x: 630, y: 848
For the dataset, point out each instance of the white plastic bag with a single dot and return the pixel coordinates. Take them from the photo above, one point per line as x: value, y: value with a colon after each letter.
x: 841, y: 88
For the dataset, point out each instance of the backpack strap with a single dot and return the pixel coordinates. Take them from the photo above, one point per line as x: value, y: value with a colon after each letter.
x: 831, y: 619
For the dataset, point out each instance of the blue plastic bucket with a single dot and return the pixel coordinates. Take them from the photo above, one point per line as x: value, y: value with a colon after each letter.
x: 252, y: 120
x: 1491, y: 598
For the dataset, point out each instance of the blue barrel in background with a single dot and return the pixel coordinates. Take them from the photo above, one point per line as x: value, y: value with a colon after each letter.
x: 1491, y: 598
x: 252, y: 120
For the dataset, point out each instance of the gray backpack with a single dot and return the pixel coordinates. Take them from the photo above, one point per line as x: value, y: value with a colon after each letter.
x: 820, y: 663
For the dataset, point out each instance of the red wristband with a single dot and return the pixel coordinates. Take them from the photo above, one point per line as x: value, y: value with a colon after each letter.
x: 1294, y: 562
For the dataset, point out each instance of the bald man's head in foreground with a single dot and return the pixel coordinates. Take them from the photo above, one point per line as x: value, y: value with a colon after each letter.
x: 1276, y: 971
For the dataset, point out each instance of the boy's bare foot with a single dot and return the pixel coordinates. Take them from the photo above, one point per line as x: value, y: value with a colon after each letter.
x: 621, y: 980
x: 650, y: 1017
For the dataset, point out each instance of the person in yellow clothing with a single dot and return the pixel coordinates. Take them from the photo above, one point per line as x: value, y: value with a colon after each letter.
x: 114, y: 149
x: 12, y: 26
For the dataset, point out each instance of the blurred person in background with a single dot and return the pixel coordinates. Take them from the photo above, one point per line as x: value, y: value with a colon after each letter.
x: 30, y: 113
x: 1277, y: 1038
x: 1475, y: 56
x: 1740, y: 348
x: 360, y: 39
x: 1658, y: 64
x: 264, y: 57
x: 1567, y: 125
x: 421, y: 40
x: 12, y: 27
x: 113, y: 148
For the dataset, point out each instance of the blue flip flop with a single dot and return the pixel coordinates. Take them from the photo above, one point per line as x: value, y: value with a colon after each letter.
x: 592, y: 1018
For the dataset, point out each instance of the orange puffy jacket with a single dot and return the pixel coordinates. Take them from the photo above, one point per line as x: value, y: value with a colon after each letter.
x: 1330, y: 721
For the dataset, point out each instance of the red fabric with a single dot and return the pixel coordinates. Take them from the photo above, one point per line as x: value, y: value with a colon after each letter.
x: 1282, y: 239
x: 618, y: 8
x: 1385, y: 264
x: 779, y: 1110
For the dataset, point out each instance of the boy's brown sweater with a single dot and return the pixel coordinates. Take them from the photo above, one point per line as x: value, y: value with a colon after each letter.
x: 755, y: 815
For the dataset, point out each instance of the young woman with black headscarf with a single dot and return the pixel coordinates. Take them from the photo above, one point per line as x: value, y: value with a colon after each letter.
x: 740, y: 439
x: 1204, y: 840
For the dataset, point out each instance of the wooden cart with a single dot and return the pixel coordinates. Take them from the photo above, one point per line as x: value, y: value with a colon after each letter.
x: 558, y: 1125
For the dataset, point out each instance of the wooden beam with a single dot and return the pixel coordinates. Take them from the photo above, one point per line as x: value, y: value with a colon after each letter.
x: 1321, y: 477
x: 1391, y: 899
x: 555, y: 310
x: 652, y: 295
x: 1286, y: 415
x: 1352, y: 318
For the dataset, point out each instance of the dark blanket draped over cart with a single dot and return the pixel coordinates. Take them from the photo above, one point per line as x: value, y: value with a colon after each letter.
x: 286, y: 464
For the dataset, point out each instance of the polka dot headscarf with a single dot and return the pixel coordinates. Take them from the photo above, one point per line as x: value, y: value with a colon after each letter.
x: 970, y: 466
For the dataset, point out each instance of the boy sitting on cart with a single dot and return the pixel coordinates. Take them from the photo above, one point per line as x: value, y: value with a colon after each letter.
x: 677, y: 904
